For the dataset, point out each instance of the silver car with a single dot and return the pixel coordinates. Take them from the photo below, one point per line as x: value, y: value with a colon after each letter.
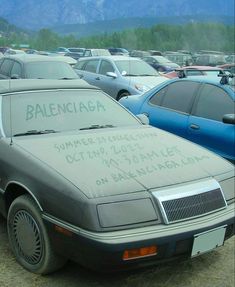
x: 118, y: 76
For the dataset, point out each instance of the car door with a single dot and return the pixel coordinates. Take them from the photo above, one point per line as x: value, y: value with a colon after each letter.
x: 205, y: 125
x: 88, y: 71
x: 107, y: 83
x: 169, y: 107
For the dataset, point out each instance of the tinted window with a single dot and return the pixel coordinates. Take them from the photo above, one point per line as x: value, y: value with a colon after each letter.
x: 91, y: 66
x: 179, y: 96
x: 6, y: 67
x: 80, y: 65
x: 16, y: 70
x: 157, y: 98
x: 213, y: 103
x: 105, y: 67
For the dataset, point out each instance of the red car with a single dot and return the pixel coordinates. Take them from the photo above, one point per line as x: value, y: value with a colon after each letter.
x: 195, y: 71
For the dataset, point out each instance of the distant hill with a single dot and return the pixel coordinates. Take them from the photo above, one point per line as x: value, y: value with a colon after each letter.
x: 34, y: 14
x: 116, y: 25
x: 6, y: 27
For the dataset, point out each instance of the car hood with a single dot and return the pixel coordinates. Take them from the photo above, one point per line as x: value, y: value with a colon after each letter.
x: 148, y: 81
x: 116, y: 161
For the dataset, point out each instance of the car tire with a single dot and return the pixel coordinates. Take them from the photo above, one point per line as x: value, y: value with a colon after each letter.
x: 29, y: 239
x: 122, y: 94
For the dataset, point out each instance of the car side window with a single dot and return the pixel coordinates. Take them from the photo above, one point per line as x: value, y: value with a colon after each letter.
x: 91, y: 66
x: 6, y: 67
x: 213, y: 103
x: 16, y: 70
x: 105, y: 67
x: 180, y: 96
x: 157, y: 98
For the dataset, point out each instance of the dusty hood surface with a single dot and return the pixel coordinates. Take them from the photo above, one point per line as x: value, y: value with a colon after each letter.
x: 114, y: 161
x: 149, y: 81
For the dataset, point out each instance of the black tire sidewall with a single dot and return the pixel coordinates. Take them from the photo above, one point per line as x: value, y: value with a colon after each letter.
x: 26, y: 203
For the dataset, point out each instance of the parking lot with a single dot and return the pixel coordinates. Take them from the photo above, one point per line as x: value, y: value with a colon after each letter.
x: 215, y: 269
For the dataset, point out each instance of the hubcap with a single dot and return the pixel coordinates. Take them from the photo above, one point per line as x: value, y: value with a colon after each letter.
x: 27, y: 237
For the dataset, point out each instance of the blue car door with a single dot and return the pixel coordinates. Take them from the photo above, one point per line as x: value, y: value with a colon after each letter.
x: 206, y: 126
x: 169, y: 108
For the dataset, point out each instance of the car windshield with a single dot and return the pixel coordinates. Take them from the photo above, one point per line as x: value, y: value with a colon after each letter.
x: 40, y: 112
x: 135, y: 68
x: 49, y: 70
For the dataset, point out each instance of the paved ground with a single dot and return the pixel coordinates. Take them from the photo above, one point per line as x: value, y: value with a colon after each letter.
x: 215, y: 269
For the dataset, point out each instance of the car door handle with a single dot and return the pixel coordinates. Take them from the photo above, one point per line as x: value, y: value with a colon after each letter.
x: 194, y: 127
x: 97, y: 78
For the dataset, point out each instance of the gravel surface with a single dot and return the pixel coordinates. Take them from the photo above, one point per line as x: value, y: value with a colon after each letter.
x: 214, y: 269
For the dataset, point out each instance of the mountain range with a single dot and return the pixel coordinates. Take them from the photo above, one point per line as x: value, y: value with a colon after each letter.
x: 34, y: 15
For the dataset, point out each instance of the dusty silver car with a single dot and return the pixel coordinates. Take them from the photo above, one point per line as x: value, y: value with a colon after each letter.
x: 81, y: 178
x: 32, y: 66
x: 118, y: 76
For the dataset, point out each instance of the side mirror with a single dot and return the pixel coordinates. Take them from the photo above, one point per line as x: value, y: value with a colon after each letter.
x: 229, y: 119
x: 143, y: 118
x: 111, y: 74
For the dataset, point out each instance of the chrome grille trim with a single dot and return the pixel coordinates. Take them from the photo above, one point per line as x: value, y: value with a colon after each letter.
x: 190, y: 201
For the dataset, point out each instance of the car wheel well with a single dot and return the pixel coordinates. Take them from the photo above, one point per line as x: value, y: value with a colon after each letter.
x: 121, y: 94
x: 12, y: 192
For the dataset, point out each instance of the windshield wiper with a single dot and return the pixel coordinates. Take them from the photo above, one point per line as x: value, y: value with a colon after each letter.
x: 35, y: 132
x: 92, y: 127
x: 146, y: 75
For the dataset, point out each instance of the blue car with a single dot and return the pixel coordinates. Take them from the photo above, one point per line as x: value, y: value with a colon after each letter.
x: 200, y: 109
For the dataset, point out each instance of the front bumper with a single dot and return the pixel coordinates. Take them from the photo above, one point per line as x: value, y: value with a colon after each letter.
x: 104, y: 251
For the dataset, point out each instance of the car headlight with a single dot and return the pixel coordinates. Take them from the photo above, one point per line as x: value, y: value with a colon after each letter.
x: 128, y: 212
x: 141, y: 88
x: 228, y: 188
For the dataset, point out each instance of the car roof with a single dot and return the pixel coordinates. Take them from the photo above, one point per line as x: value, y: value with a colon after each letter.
x: 20, y: 85
x: 26, y: 58
x: 111, y: 57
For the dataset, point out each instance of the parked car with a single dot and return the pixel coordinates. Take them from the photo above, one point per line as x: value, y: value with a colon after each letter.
x: 96, y: 52
x: 200, y: 109
x: 61, y: 50
x: 228, y: 67
x: 84, y: 179
x: 230, y: 59
x: 75, y: 53
x: 36, y: 66
x: 210, y: 58
x: 195, y: 71
x: 13, y: 52
x: 160, y: 63
x: 118, y: 51
x: 118, y: 76
x: 139, y: 54
x: 181, y: 59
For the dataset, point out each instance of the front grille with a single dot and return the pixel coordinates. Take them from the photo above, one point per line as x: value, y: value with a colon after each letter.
x: 180, y: 205
x: 191, y: 206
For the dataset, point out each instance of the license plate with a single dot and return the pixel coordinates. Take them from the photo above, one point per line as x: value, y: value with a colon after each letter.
x: 208, y: 240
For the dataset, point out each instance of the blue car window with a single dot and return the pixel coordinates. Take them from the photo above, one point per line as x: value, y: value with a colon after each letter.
x: 180, y: 96
x: 213, y: 103
x: 157, y: 98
